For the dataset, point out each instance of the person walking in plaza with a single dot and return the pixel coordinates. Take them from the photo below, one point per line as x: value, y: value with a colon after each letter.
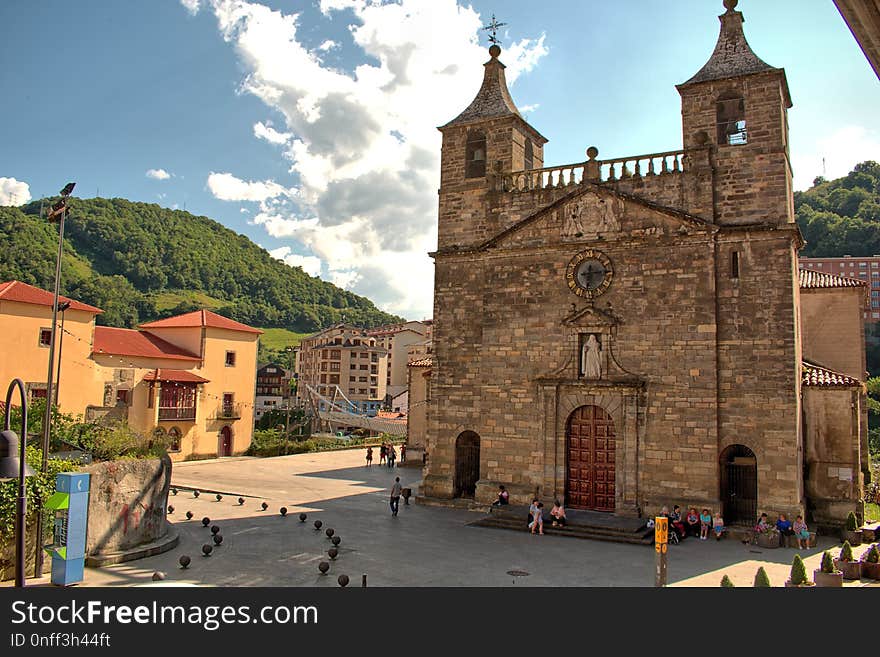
x: 382, y: 454
x: 392, y: 455
x: 538, y: 518
x: 396, y: 490
x: 369, y: 456
x: 403, y: 453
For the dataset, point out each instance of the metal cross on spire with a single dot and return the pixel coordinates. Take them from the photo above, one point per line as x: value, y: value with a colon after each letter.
x: 492, y: 27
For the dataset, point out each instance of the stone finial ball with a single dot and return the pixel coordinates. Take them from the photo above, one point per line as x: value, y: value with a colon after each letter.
x: 240, y: 501
x: 592, y: 152
x: 730, y: 5
x: 189, y: 515
x: 332, y: 553
x: 342, y: 580
x: 336, y: 540
x: 264, y: 506
x: 206, y: 521
x: 207, y: 548
x: 184, y: 560
x: 283, y: 511
x: 494, y: 50
x: 329, y: 531
x: 195, y: 493
x: 318, y: 524
x: 158, y: 576
x: 218, y: 539
x: 302, y: 517
x: 170, y: 509
x: 323, y: 567
x: 218, y: 496
x: 215, y: 529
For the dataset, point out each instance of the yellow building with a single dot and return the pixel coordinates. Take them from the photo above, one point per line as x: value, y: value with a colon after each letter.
x: 191, y: 377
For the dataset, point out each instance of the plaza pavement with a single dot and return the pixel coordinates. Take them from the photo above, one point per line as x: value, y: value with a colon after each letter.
x: 422, y: 546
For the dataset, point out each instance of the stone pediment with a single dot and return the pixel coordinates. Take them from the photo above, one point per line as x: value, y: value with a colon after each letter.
x: 594, y: 213
x: 589, y: 317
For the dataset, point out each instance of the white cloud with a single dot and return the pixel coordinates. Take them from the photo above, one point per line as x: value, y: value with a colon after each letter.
x: 526, y: 109
x: 14, y: 192
x: 329, y: 44
x: 309, y: 264
x: 362, y: 147
x: 227, y: 187
x: 158, y: 174
x: 192, y: 6
x: 841, y: 150
x: 267, y: 132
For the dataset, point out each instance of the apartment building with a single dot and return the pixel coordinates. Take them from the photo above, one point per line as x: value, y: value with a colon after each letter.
x: 863, y: 268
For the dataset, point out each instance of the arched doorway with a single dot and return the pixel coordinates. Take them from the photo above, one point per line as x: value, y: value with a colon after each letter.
x: 590, y: 447
x: 225, y: 448
x: 467, y: 463
x: 739, y: 485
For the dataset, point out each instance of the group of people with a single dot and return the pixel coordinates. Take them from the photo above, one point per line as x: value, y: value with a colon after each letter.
x: 387, y: 455
x: 700, y: 524
x: 536, y: 512
x: 785, y: 527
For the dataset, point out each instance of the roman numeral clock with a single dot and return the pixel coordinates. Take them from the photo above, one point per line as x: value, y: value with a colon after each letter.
x: 589, y: 274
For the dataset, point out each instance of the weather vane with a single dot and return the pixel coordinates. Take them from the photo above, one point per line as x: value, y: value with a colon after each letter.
x: 493, y: 29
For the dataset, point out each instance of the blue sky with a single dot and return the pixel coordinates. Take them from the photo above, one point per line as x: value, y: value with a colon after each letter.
x: 310, y: 125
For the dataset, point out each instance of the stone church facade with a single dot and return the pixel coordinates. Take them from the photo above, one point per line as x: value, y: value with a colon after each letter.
x: 625, y: 333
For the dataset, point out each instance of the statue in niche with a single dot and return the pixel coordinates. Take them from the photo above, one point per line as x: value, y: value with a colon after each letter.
x: 591, y: 358
x: 607, y: 214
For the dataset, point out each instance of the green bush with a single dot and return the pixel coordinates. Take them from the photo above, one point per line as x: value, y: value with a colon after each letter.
x: 852, y: 524
x: 112, y: 440
x: 798, y: 571
x: 873, y: 555
x: 846, y: 553
x: 828, y: 563
x: 761, y: 578
x: 726, y: 583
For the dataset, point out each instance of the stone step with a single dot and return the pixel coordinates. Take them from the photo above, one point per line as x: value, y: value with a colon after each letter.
x: 610, y: 534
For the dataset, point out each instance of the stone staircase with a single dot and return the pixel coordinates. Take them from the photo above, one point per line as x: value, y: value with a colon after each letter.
x: 580, y: 524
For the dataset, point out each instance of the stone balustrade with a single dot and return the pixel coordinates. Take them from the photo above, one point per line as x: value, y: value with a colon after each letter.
x: 593, y: 170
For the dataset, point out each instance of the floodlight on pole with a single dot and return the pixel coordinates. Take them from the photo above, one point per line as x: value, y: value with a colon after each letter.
x: 63, y: 308
x: 59, y: 209
x: 12, y: 466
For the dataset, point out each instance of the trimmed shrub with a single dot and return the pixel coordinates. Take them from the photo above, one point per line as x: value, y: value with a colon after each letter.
x: 828, y: 563
x: 726, y: 583
x: 761, y: 578
x: 798, y: 574
x: 873, y: 555
x: 846, y: 553
x: 852, y: 524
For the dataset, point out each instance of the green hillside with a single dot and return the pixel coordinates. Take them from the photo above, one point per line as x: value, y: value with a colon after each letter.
x: 841, y: 217
x: 139, y: 262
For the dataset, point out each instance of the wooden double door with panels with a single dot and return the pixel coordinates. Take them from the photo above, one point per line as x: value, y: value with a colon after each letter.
x: 590, y: 452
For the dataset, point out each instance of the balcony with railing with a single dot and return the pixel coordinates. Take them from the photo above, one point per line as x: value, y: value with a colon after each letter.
x: 177, y: 413
x: 595, y: 171
x: 228, y: 411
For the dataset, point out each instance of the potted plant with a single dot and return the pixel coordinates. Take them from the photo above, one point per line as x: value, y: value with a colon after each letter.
x: 828, y: 575
x: 761, y: 579
x: 847, y: 564
x: 798, y: 576
x: 852, y: 533
x: 871, y: 563
x: 768, y: 539
x: 726, y: 583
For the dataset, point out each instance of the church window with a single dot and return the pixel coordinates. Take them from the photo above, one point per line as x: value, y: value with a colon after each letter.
x: 475, y: 157
x: 734, y: 264
x: 529, y: 161
x: 730, y: 111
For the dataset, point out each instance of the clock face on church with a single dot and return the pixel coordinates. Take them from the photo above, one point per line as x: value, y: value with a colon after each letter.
x: 589, y: 274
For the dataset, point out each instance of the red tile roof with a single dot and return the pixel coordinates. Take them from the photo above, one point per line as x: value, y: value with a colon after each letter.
x: 423, y: 362
x: 200, y: 318
x: 24, y: 293
x: 816, y: 376
x: 812, y: 280
x: 128, y: 342
x: 178, y: 376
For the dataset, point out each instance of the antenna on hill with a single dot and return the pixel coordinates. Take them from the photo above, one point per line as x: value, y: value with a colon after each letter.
x: 823, y: 167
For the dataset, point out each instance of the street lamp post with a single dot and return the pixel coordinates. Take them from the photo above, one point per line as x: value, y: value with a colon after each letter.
x: 63, y: 308
x: 12, y: 467
x: 59, y: 211
x: 289, y: 351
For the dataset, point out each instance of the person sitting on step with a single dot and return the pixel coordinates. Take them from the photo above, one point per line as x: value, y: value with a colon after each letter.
x: 503, y: 496
x: 558, y: 514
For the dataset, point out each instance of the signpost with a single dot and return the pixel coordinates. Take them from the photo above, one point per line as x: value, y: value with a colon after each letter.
x: 661, y: 544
